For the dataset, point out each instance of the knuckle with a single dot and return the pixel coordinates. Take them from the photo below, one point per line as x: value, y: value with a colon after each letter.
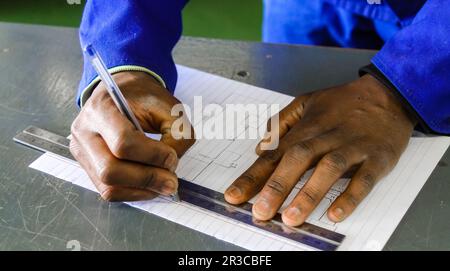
x: 310, y: 194
x: 247, y: 178
x: 336, y: 163
x: 76, y: 127
x: 122, y: 146
x: 352, y: 200
x: 106, y: 174
x: 74, y: 148
x: 271, y: 156
x: 303, y: 148
x: 300, y: 152
x: 387, y: 151
x: 380, y: 162
x: 109, y: 194
x: 367, y: 181
x: 149, y: 180
x: 277, y: 185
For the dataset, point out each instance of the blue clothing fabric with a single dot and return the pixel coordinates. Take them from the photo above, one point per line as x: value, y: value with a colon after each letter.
x: 350, y: 23
x: 413, y: 35
x: 132, y: 32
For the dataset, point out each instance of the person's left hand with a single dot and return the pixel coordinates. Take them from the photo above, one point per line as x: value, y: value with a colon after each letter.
x: 360, y: 127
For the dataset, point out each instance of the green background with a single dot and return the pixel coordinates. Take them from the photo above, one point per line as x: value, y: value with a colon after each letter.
x: 226, y: 19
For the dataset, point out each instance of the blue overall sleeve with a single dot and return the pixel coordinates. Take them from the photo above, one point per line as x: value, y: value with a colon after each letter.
x: 136, y: 35
x: 417, y: 62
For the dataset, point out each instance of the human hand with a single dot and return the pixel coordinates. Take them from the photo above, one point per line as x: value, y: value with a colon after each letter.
x: 122, y: 162
x: 359, y: 127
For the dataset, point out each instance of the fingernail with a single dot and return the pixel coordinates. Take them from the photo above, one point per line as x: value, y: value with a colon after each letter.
x: 234, y: 192
x: 171, y: 162
x: 262, y: 207
x: 339, y: 213
x: 293, y: 213
x: 168, y: 187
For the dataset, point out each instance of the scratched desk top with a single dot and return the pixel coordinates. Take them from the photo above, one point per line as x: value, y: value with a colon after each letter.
x: 39, y: 71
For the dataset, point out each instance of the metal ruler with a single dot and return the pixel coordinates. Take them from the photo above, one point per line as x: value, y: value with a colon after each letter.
x: 205, y: 198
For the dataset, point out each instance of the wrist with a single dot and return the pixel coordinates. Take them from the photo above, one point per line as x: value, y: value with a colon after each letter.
x: 131, y: 81
x: 136, y: 78
x: 373, y: 70
x: 387, y: 98
x: 88, y: 90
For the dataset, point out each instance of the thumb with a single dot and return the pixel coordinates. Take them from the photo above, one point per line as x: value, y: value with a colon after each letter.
x: 178, y: 133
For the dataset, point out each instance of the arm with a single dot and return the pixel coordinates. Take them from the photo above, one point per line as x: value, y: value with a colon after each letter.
x: 417, y: 62
x: 131, y: 36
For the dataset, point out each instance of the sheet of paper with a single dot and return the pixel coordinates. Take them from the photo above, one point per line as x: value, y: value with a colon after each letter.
x: 216, y: 163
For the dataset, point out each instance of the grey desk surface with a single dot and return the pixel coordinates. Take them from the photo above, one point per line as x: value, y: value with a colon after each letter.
x: 39, y: 71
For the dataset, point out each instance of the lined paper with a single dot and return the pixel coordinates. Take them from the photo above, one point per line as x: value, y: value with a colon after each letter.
x: 216, y: 163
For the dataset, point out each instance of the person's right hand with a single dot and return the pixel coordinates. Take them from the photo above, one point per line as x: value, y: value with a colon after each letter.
x: 122, y: 162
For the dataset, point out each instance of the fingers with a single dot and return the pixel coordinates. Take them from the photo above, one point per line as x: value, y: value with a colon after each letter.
x: 113, y: 193
x: 287, y: 118
x: 111, y: 174
x: 109, y: 193
x: 253, y: 179
x: 171, y: 120
x: 179, y: 138
x: 297, y: 159
x: 359, y: 187
x: 121, y: 161
x: 127, y: 143
x: 329, y: 169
